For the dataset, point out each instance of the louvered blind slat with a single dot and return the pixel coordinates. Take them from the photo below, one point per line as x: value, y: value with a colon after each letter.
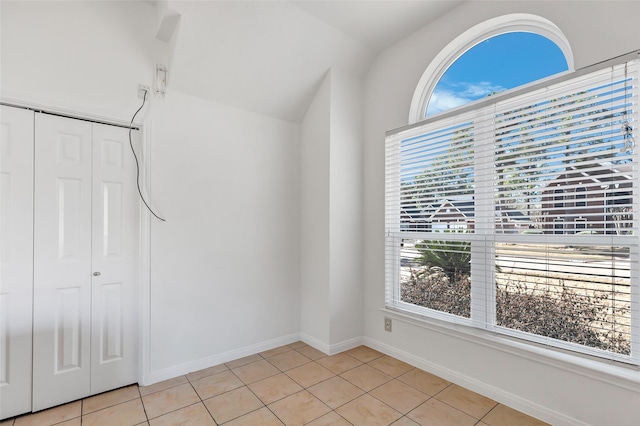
x: 523, y: 215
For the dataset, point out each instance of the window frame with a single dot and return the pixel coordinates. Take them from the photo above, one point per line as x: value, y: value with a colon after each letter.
x: 475, y: 326
x: 516, y: 22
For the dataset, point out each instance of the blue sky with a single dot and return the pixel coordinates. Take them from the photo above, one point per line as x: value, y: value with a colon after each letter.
x: 494, y: 65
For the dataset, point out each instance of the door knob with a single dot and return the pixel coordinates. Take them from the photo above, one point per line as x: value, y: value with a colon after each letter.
x: 96, y: 274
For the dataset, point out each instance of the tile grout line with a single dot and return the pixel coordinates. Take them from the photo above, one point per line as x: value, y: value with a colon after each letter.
x: 434, y: 396
x: 333, y: 410
x: 259, y: 357
x: 396, y: 378
x: 82, y: 401
x: 200, y: 397
x: 249, y: 412
x: 455, y: 408
x: 493, y: 408
x: 262, y: 402
x: 307, y: 389
x: 287, y: 375
x: 246, y: 386
x: 172, y: 411
x: 280, y: 372
x: 392, y: 378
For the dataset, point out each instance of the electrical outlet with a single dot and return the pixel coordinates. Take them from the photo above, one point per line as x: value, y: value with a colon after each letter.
x: 141, y: 89
x: 387, y: 324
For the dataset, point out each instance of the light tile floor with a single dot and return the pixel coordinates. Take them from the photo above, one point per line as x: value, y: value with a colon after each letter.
x: 290, y: 385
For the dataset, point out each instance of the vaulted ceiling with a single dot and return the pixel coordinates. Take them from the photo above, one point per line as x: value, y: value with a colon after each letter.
x: 270, y: 56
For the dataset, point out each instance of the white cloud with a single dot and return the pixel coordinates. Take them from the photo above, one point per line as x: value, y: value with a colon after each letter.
x: 478, y: 90
x: 458, y: 94
x: 443, y: 100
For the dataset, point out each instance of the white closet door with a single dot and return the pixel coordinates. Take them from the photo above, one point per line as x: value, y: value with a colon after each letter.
x: 62, y: 261
x: 114, y: 354
x: 16, y: 256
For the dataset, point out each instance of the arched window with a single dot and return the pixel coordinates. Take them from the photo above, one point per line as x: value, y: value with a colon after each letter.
x: 502, y: 53
x: 511, y: 169
x: 494, y: 65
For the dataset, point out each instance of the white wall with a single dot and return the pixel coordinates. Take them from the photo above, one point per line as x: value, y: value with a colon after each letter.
x: 331, y: 211
x: 81, y: 56
x: 345, y: 208
x: 315, y: 137
x: 225, y: 264
x: 554, y: 391
x: 226, y: 269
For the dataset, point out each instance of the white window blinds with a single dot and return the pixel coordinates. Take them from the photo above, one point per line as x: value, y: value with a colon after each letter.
x: 518, y: 216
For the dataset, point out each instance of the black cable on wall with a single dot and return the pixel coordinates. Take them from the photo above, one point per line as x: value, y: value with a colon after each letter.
x: 144, y: 99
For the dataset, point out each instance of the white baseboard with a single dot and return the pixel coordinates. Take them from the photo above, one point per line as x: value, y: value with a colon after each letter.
x: 475, y: 385
x: 330, y: 349
x: 210, y: 361
x: 315, y: 343
x: 188, y: 367
x: 506, y: 398
x: 345, y: 345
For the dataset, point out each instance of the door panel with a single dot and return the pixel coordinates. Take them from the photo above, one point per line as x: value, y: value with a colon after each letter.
x: 115, y: 256
x: 111, y: 323
x: 70, y: 232
x: 16, y: 259
x: 67, y: 339
x: 62, y: 255
x: 112, y: 220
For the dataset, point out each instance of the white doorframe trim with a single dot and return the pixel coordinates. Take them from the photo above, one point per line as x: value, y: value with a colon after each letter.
x: 18, y: 102
x: 144, y: 312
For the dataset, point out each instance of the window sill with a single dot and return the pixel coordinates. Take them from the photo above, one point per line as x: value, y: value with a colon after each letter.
x: 610, y: 372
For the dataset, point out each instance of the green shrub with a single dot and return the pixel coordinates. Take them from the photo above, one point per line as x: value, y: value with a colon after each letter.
x: 453, y: 257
